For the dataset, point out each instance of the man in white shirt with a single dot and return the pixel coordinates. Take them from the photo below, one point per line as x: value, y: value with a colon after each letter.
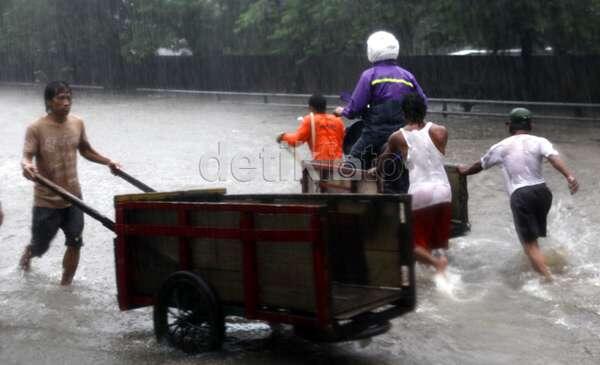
x: 521, y: 156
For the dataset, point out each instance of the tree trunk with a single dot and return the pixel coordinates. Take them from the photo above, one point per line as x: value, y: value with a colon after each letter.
x: 111, y: 18
x: 527, y: 40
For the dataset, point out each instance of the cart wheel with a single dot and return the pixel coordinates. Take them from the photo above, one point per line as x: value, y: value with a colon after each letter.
x: 188, y: 315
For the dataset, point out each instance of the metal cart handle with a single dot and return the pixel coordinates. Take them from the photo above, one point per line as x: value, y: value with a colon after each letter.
x: 133, y: 181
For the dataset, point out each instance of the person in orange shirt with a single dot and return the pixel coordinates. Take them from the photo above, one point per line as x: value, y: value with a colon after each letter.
x: 323, y: 132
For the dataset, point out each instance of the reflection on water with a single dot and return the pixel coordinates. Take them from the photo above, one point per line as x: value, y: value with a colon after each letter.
x: 494, y: 310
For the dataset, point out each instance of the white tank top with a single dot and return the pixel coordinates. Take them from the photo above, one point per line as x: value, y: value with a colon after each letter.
x: 428, y: 180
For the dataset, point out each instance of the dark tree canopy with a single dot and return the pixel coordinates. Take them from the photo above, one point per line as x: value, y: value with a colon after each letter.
x: 116, y: 32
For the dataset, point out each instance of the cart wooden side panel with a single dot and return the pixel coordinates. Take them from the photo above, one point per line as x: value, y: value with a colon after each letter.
x: 369, y: 241
x: 311, y: 260
x: 257, y: 253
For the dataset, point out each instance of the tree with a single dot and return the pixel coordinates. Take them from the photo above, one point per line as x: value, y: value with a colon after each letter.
x: 305, y: 28
x: 205, y: 26
x: 568, y: 26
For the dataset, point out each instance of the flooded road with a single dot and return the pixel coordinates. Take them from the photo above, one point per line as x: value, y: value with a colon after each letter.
x: 498, y: 312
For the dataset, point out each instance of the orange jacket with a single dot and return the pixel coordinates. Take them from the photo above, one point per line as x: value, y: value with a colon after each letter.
x: 329, y: 138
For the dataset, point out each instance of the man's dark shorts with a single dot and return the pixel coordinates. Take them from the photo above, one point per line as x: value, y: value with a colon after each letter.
x: 530, y: 206
x: 47, y: 221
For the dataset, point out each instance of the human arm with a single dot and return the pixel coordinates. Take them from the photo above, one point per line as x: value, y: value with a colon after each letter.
x: 30, y: 149
x: 360, y: 97
x: 396, y: 144
x: 491, y: 158
x: 301, y: 135
x: 439, y: 136
x: 89, y: 153
x: 548, y: 151
x: 560, y: 165
x: 470, y: 170
x: 418, y: 89
x: 29, y: 169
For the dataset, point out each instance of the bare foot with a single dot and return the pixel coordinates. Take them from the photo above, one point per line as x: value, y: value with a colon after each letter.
x: 441, y: 264
x: 25, y: 262
x: 547, y: 279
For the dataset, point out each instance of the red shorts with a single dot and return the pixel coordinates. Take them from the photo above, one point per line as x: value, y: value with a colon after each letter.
x: 431, y: 226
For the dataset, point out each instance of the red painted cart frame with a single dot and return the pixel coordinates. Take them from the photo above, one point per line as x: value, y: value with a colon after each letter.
x: 246, y: 233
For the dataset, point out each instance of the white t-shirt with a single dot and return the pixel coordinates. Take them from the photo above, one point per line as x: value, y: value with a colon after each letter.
x: 521, y: 158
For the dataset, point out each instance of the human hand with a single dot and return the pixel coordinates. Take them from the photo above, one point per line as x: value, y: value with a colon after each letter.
x: 573, y: 184
x: 114, y: 166
x: 29, y: 170
x: 279, y: 137
x: 462, y: 169
x: 372, y: 172
x: 338, y: 111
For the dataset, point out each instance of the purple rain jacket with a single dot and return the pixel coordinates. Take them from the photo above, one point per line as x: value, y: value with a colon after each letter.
x: 382, y: 82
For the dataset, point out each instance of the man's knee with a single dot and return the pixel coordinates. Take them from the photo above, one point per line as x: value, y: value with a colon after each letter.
x: 39, y: 246
x: 74, y: 242
x: 73, y: 227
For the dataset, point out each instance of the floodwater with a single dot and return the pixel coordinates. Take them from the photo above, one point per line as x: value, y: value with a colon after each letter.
x: 496, y: 311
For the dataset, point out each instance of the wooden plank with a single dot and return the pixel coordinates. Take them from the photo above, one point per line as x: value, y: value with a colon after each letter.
x: 384, y: 268
x: 149, y: 216
x: 184, y: 195
x: 285, y: 275
x: 460, y: 195
x: 282, y: 221
x: 227, y: 284
x: 350, y: 300
x: 153, y: 259
x: 215, y: 254
x: 367, y: 187
x: 225, y: 219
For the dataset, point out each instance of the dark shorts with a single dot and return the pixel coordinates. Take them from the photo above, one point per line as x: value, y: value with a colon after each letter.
x: 530, y: 206
x: 47, y: 221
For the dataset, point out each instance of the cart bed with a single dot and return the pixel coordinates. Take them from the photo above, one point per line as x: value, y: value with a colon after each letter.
x: 350, y: 300
x: 302, y: 259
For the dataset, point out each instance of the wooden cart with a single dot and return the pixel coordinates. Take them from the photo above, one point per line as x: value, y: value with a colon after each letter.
x: 337, y: 267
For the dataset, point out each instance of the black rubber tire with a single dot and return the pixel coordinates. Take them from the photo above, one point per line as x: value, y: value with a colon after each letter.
x: 188, y: 314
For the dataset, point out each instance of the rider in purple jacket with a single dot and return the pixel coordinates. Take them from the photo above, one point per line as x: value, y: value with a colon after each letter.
x: 378, y: 96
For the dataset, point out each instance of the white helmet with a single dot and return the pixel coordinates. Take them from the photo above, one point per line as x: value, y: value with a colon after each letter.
x: 382, y: 46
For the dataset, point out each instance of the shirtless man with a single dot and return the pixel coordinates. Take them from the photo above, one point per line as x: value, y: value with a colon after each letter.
x: 53, y: 141
x: 521, y: 156
x: 423, y: 145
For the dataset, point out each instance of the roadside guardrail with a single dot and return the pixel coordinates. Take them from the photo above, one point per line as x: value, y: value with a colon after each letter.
x: 441, y: 106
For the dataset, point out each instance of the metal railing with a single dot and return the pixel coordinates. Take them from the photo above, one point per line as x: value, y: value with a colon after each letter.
x: 447, y: 106
x: 576, y: 111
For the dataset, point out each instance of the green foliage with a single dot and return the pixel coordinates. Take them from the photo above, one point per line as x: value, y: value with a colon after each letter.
x: 70, y: 33
x: 324, y: 27
x: 564, y: 25
x: 205, y: 26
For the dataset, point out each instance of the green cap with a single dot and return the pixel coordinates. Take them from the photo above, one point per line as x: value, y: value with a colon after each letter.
x: 518, y: 115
